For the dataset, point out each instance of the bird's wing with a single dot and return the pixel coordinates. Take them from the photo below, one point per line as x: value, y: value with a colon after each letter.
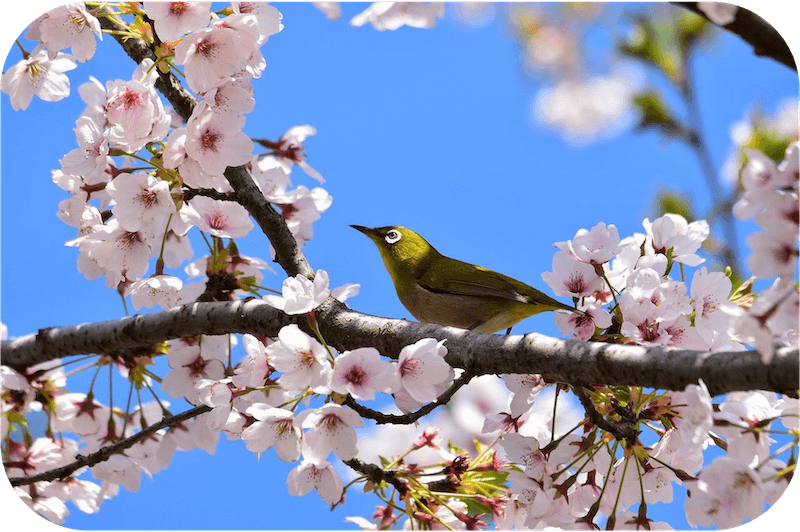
x: 491, y: 284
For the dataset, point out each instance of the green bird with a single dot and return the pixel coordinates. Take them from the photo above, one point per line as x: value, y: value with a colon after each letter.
x: 445, y: 291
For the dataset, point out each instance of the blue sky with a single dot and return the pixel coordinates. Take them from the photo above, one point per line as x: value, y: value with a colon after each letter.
x: 429, y: 129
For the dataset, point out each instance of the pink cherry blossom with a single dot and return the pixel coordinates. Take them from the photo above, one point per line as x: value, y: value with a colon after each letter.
x: 142, y: 202
x: 302, y: 360
x: 210, y: 55
x: 362, y: 373
x: 330, y: 428
x: 225, y: 219
x: 161, y: 290
x: 216, y: 141
x: 40, y: 75
x: 422, y: 368
x: 320, y: 476
x: 174, y: 19
x: 71, y: 26
x: 393, y: 15
x: 571, y: 277
x: 273, y: 427
x: 300, y: 294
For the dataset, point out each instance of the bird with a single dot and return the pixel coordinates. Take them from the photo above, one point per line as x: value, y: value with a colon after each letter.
x: 445, y: 291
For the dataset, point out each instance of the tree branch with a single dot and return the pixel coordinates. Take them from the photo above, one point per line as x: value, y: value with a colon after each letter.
x: 106, y: 452
x: 287, y: 252
x: 757, y: 32
x: 622, y: 431
x: 406, y: 419
x: 377, y: 475
x: 478, y: 353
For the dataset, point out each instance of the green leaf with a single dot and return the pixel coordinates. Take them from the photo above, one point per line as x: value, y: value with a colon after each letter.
x: 672, y: 201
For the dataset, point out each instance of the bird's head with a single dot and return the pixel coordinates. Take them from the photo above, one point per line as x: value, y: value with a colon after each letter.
x: 405, y: 253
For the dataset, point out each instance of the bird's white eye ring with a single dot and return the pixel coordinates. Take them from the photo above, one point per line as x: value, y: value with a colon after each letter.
x: 393, y: 236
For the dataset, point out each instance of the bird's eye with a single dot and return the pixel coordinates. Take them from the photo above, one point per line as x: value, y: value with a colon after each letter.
x: 393, y: 236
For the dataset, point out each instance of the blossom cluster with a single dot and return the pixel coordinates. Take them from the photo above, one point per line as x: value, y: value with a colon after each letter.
x: 258, y: 400
x: 597, y: 268
x: 127, y: 215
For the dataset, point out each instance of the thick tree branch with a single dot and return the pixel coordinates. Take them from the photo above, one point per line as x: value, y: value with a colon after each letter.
x: 562, y: 360
x: 757, y: 32
x: 287, y: 253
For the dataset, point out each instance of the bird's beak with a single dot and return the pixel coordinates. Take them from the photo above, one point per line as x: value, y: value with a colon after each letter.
x: 371, y: 233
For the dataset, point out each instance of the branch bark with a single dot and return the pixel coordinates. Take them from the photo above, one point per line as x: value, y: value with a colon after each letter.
x: 478, y: 353
x: 755, y: 31
x: 106, y: 452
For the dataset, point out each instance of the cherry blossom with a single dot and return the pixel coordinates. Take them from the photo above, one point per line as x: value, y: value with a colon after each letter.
x: 596, y: 246
x: 79, y: 413
x: 422, y: 369
x: 320, y: 476
x: 289, y: 150
x: 225, y: 219
x: 393, y: 15
x: 172, y: 20
x: 330, y: 428
x: 362, y: 373
x: 191, y: 363
x: 583, y: 326
x: 525, y: 450
x: 267, y: 16
x: 725, y: 494
x: 584, y: 110
x: 90, y: 159
x: 161, y: 290
x: 254, y: 369
x: 142, y: 201
x: 526, y: 389
x: 70, y: 26
x: 118, y: 469
x: 302, y: 360
x: 134, y: 114
x: 40, y: 75
x: 671, y: 231
x: 571, y: 277
x: 300, y: 294
x: 273, y: 427
x: 212, y: 54
x: 119, y: 253
x: 216, y: 394
x: 216, y: 141
x: 300, y: 208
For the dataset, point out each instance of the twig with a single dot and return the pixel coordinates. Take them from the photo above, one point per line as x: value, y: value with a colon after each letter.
x: 621, y: 431
x: 189, y: 193
x: 406, y: 419
x: 106, y: 452
x: 377, y: 475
